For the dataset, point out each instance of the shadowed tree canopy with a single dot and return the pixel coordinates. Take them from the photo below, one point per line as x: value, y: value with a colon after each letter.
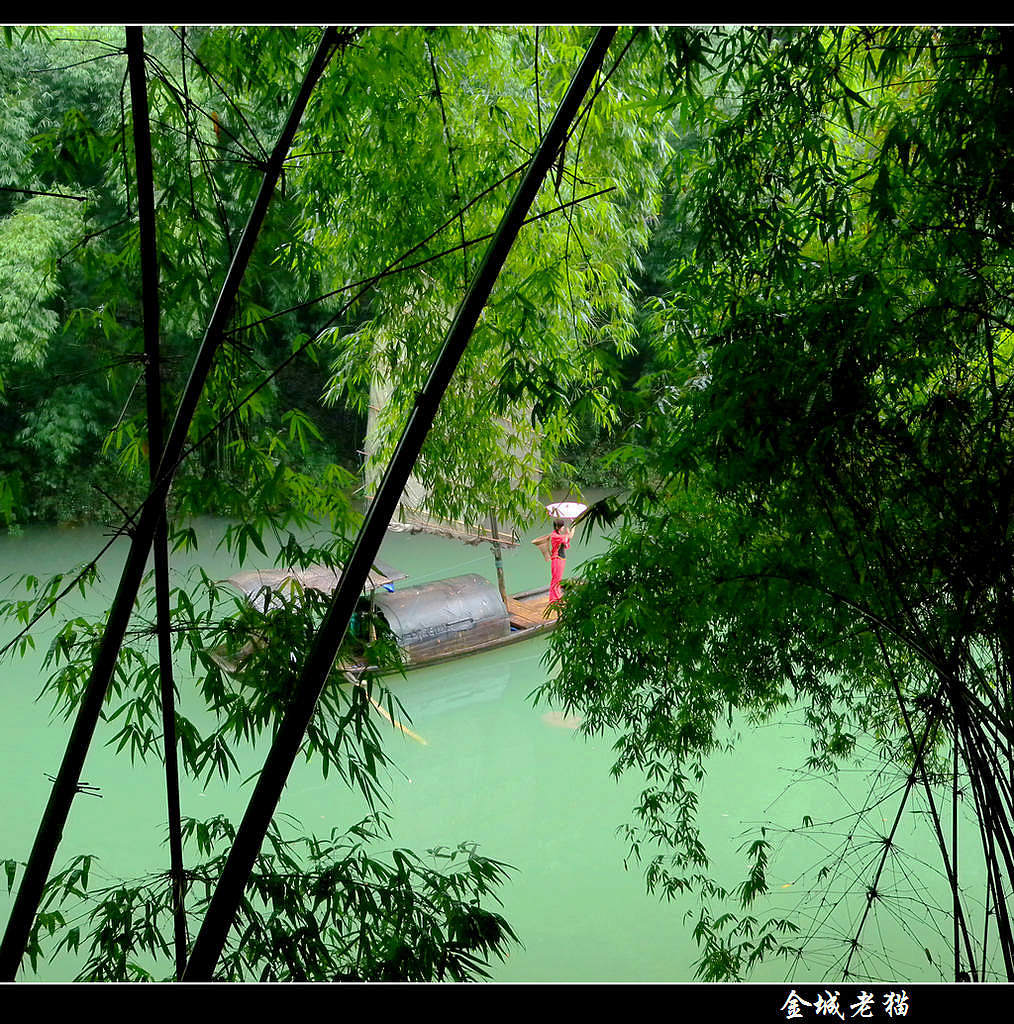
x: 820, y: 457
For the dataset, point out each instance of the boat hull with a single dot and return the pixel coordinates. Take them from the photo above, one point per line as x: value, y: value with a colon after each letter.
x: 529, y: 614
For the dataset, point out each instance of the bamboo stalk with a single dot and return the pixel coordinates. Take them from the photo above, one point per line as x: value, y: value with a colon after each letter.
x: 498, y: 557
x: 329, y: 637
x: 151, y: 319
x: 50, y: 832
x: 990, y: 835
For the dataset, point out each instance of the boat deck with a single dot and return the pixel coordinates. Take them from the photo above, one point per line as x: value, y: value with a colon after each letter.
x: 530, y: 611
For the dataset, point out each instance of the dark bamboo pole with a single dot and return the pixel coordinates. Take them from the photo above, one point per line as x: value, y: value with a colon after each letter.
x: 227, y: 896
x: 151, y: 320
x: 992, y: 815
x: 498, y: 556
x: 955, y: 902
x: 61, y: 796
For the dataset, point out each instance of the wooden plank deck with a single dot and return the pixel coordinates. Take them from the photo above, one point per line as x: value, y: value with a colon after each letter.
x: 533, y: 611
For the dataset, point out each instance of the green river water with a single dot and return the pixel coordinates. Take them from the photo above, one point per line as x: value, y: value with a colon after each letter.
x: 494, y: 770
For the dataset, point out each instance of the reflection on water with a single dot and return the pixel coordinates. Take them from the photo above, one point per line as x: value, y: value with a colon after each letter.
x: 560, y: 720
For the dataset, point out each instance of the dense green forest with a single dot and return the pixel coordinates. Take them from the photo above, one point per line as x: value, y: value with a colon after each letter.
x: 73, y: 437
x: 757, y: 280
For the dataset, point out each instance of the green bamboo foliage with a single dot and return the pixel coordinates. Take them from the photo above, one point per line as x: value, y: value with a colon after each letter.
x: 821, y: 451
x: 316, y: 909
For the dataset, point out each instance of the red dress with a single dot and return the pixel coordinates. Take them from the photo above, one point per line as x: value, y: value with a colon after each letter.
x: 560, y: 542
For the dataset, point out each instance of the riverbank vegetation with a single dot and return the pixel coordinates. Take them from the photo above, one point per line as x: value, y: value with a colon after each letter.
x: 764, y: 289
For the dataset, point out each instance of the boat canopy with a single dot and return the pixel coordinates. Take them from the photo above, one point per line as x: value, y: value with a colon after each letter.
x: 444, y: 616
x: 268, y: 582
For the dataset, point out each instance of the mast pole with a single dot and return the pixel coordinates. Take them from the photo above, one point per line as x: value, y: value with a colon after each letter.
x: 498, y: 556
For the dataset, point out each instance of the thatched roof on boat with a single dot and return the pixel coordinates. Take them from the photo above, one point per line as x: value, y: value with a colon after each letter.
x: 316, y: 577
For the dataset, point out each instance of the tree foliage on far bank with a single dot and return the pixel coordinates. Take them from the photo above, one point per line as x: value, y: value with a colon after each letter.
x: 404, y: 163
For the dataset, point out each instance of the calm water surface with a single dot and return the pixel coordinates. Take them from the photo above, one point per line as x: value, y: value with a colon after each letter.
x: 494, y: 770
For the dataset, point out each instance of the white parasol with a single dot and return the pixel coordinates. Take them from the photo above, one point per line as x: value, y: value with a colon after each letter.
x: 566, y: 509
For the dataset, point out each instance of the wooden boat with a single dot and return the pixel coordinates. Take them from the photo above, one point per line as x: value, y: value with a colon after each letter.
x: 265, y: 588
x: 465, y: 615
x: 458, y: 617
x: 432, y: 623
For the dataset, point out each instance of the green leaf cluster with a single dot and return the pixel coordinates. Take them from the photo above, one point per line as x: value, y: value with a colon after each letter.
x: 315, y: 909
x: 819, y: 444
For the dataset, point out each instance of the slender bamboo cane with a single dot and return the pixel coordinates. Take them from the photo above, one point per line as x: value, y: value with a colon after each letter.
x: 151, y: 319
x: 227, y: 896
x: 990, y: 835
x: 956, y: 906
x: 50, y: 832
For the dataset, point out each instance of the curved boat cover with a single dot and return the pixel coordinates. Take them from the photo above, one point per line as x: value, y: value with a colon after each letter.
x: 445, y: 616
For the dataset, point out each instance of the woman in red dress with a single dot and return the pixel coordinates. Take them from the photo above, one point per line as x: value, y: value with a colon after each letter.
x: 560, y: 541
